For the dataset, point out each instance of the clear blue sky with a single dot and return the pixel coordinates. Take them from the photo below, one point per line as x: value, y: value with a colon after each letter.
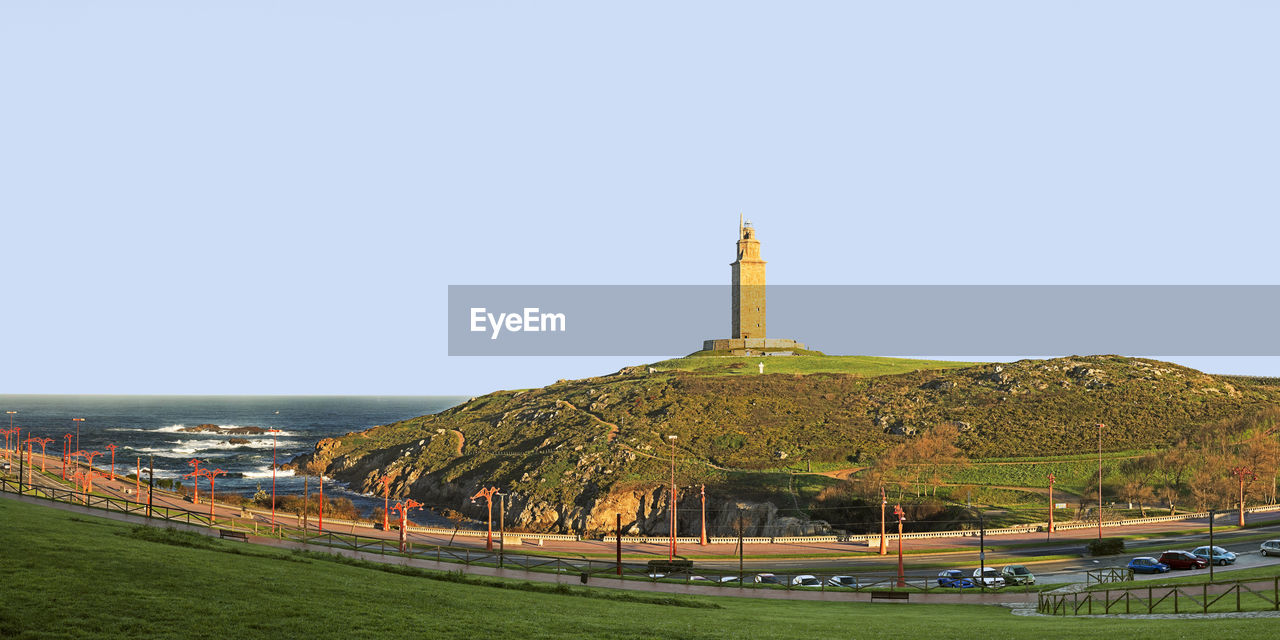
x: 250, y: 197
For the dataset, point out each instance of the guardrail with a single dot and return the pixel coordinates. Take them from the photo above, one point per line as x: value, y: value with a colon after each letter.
x: 1111, y: 574
x: 1249, y: 595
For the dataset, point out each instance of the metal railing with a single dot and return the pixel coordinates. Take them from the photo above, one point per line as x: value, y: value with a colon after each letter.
x: 1237, y: 596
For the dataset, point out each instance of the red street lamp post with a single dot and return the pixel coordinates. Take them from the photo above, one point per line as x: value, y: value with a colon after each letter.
x: 385, y: 481
x: 89, y: 456
x: 137, y: 480
x: 1100, y: 427
x: 11, y: 428
x: 195, y: 463
x: 403, y: 508
x: 1240, y: 473
x: 703, y: 492
x: 77, y: 421
x: 902, y: 516
x: 43, y: 454
x: 671, y: 550
x: 7, y: 433
x: 66, y: 454
x: 210, y: 475
x: 1051, y: 479
x: 487, y: 494
x: 320, y: 515
x: 884, y: 544
x: 273, y: 433
x: 112, y: 448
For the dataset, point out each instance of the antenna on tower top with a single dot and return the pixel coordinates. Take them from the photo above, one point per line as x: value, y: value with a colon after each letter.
x: 739, y: 224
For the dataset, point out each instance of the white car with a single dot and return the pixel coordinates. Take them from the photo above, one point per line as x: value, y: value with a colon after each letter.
x: 988, y: 577
x: 843, y: 581
x: 1270, y: 548
x: 811, y: 582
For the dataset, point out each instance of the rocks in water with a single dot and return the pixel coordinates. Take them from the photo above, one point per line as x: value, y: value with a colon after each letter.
x: 237, y: 441
x: 213, y: 428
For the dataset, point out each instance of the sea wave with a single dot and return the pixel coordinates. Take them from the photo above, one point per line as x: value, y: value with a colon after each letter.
x: 183, y: 448
x: 178, y: 428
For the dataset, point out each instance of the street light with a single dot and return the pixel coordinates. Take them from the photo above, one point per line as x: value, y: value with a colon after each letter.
x: 487, y: 494
x: 211, y: 475
x: 902, y: 516
x: 385, y: 481
x: 77, y: 421
x: 66, y: 453
x: 273, y: 433
x: 195, y: 463
x: 1051, y: 479
x: 884, y: 502
x: 43, y: 454
x: 1100, y: 427
x: 703, y: 492
x: 403, y: 508
x: 11, y: 428
x: 112, y: 448
x: 671, y: 550
x: 1240, y: 473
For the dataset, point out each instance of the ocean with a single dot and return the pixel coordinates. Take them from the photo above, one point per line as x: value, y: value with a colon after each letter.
x: 150, y: 426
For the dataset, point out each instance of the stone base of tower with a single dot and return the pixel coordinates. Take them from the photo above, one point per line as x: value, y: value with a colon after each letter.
x: 750, y: 346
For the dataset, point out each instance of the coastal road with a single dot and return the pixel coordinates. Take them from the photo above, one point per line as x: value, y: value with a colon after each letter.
x: 852, y: 558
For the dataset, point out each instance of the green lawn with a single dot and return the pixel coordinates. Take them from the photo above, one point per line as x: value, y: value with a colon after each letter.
x: 69, y: 576
x: 867, y: 366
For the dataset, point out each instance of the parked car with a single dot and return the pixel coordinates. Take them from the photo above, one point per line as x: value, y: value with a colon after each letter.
x: 1183, y: 560
x: 4, y: 466
x: 1017, y: 574
x: 806, y: 581
x: 1271, y: 548
x: 768, y: 578
x: 955, y: 578
x: 988, y: 577
x: 1220, y: 556
x: 843, y: 581
x: 1147, y: 564
x: 713, y: 579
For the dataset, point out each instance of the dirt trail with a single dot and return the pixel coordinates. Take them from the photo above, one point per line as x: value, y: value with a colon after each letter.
x: 461, y: 439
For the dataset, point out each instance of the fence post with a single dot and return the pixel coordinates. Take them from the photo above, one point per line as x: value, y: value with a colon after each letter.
x: 1204, y: 592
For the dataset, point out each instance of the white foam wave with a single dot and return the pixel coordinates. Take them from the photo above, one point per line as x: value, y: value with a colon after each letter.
x: 185, y: 448
x: 263, y: 472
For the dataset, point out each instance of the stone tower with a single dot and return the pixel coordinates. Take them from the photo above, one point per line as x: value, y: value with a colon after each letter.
x: 748, y: 286
x: 748, y: 325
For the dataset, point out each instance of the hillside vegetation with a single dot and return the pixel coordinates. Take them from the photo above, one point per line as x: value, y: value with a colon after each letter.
x: 575, y: 452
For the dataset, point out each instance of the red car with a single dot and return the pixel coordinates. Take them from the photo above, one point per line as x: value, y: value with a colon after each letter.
x: 1183, y: 560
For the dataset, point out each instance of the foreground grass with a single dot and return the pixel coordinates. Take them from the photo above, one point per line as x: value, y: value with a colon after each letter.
x: 70, y: 576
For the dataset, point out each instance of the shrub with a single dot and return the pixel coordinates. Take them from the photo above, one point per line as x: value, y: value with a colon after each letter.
x: 1105, y: 546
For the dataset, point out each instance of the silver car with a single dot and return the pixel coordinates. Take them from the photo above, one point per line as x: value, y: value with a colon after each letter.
x: 1270, y: 548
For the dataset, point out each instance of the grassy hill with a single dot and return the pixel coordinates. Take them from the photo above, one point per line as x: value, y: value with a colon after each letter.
x: 75, y: 577
x: 865, y: 366
x: 575, y: 452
